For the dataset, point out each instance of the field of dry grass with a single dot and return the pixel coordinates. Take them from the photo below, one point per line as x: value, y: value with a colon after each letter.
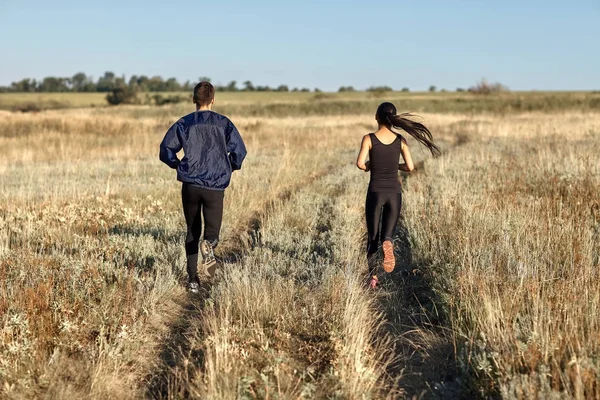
x: 510, y: 229
x: 496, y: 291
x: 284, y: 104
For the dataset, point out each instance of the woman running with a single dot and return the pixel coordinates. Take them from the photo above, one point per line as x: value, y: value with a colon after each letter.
x: 384, y: 197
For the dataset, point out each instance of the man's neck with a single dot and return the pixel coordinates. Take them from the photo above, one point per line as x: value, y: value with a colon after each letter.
x: 204, y: 108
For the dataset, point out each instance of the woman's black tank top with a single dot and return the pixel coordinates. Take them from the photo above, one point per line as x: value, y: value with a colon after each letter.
x: 383, y: 160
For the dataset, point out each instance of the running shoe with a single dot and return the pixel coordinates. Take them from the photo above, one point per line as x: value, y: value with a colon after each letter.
x: 193, y: 287
x: 208, y: 258
x: 389, y: 260
x: 374, y: 282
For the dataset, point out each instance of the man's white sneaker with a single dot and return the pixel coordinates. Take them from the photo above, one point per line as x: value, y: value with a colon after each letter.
x: 208, y: 258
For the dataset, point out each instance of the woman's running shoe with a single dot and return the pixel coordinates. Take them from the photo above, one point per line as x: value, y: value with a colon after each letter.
x: 389, y: 260
x: 373, y: 282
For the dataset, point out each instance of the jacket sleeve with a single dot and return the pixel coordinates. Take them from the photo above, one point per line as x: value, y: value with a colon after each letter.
x: 170, y: 145
x: 235, y: 146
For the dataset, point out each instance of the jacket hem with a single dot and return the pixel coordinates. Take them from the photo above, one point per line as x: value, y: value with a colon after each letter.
x: 203, y: 186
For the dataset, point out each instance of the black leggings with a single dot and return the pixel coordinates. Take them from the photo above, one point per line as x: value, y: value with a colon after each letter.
x: 384, y: 206
x: 209, y: 203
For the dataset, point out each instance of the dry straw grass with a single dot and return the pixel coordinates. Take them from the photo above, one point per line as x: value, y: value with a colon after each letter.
x: 496, y: 294
x: 510, y: 227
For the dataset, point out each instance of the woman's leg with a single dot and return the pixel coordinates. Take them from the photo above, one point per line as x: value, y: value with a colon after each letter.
x: 390, y: 215
x: 373, y: 215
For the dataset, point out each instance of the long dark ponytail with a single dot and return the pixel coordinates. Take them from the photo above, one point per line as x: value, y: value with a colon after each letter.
x: 386, y: 115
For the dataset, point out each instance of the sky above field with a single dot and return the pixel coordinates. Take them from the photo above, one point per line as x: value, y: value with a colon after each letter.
x: 535, y: 44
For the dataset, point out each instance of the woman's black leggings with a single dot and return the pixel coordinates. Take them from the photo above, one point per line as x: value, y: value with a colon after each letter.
x: 384, y: 207
x: 198, y: 204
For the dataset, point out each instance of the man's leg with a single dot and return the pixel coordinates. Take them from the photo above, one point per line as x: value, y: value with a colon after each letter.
x: 212, y: 212
x: 192, y: 207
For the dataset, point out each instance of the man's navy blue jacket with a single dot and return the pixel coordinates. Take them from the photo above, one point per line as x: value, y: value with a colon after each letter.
x: 212, y: 147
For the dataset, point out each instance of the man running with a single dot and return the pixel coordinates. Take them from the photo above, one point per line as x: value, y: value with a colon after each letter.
x: 213, y: 149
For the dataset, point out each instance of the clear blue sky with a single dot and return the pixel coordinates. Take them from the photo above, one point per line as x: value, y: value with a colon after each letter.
x: 535, y: 44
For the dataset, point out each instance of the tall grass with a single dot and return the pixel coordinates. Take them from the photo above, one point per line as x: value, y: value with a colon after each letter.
x: 495, y: 294
x: 509, y: 223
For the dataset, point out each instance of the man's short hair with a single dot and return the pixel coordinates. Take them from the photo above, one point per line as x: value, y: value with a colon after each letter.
x: 204, y: 93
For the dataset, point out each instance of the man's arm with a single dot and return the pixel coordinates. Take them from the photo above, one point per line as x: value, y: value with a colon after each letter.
x: 170, y: 145
x: 235, y: 146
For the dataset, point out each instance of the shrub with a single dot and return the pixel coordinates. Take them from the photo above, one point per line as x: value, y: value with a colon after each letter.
x: 161, y: 100
x: 121, y: 95
x: 380, y: 89
x: 484, y: 87
x: 432, y: 88
x: 27, y: 107
x: 321, y: 96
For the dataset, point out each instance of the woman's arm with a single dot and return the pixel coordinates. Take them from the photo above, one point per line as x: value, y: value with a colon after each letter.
x: 408, y: 165
x: 365, y: 146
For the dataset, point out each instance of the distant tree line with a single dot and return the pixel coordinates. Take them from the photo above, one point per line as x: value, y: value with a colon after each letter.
x: 109, y: 82
x: 120, y: 86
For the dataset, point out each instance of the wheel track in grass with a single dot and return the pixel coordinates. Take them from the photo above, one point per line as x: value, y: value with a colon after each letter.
x: 425, y: 365
x: 244, y: 237
x: 307, y: 346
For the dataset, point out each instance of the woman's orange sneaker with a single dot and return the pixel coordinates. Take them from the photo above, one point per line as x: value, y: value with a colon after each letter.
x: 389, y: 260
